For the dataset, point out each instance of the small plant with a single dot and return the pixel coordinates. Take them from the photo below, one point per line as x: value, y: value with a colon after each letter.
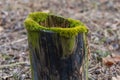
x: 16, y: 76
x: 101, y: 54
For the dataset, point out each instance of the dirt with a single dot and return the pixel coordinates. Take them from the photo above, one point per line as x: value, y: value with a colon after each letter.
x: 102, y: 18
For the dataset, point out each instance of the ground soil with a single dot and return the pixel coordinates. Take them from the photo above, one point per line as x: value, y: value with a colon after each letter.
x: 102, y: 17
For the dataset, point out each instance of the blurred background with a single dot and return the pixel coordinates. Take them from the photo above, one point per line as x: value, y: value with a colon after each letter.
x: 102, y: 17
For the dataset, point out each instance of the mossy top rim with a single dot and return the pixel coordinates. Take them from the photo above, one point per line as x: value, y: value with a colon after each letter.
x: 32, y: 24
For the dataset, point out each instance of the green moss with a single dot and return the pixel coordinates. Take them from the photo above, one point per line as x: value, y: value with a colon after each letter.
x: 68, y: 45
x: 33, y: 38
x: 38, y: 16
x: 75, y: 26
x: 85, y: 64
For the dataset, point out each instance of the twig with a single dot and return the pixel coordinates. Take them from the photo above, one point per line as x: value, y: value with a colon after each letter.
x: 13, y: 22
x: 6, y: 77
x: 83, y: 5
x: 11, y: 65
x: 11, y: 43
x: 93, y: 68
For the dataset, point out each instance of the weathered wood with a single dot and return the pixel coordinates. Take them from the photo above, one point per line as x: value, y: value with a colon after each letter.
x: 55, y: 55
x: 49, y: 61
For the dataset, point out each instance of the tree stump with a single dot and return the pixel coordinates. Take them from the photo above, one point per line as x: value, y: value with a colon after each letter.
x: 57, y: 47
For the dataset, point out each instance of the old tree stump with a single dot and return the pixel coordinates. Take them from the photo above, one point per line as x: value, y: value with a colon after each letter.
x: 57, y: 47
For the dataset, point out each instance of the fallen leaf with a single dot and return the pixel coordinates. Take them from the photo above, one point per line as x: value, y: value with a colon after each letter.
x: 116, y: 78
x: 116, y: 57
x: 1, y: 29
x: 110, y: 60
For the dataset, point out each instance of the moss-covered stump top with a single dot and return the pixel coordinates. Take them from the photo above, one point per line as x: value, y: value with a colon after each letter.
x: 44, y: 21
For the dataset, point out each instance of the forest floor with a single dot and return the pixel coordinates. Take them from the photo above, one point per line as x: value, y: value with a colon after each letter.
x: 102, y: 17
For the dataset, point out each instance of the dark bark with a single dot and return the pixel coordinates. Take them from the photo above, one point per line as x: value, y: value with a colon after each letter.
x: 52, y: 60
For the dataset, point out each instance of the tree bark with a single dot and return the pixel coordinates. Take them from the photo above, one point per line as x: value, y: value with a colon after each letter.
x: 57, y: 47
x: 50, y: 59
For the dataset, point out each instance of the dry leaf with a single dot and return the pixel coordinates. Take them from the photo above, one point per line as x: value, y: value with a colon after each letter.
x: 116, y: 78
x: 110, y: 60
x: 116, y: 58
x: 102, y: 1
x: 1, y: 29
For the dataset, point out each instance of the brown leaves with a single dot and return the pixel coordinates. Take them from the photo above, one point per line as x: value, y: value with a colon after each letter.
x: 116, y: 78
x: 111, y: 59
x: 1, y: 29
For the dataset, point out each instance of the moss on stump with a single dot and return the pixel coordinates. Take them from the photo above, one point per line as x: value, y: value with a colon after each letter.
x: 57, y: 47
x: 65, y: 27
